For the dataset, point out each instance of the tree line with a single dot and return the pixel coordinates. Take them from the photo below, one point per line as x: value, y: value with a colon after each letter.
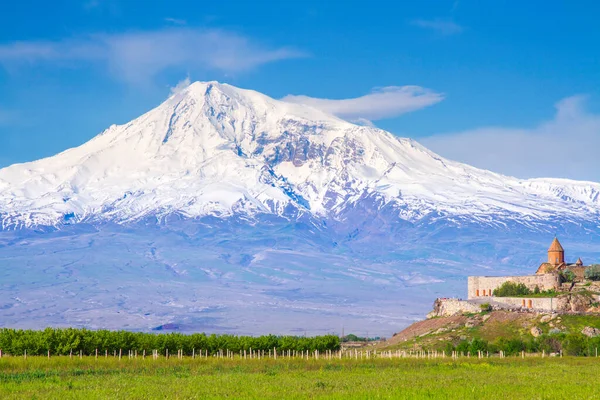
x: 70, y: 340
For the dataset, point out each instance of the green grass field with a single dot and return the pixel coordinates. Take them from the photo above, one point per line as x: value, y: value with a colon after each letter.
x: 491, y: 378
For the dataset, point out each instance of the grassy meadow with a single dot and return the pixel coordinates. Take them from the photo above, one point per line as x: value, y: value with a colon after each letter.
x: 212, y: 378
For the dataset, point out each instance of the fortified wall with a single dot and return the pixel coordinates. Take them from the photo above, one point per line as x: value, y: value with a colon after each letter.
x: 445, y: 307
x: 548, y: 304
x: 563, y: 303
x: 483, y: 286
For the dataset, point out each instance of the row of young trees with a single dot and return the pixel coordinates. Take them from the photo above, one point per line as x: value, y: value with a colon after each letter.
x: 65, y: 341
x: 569, y: 344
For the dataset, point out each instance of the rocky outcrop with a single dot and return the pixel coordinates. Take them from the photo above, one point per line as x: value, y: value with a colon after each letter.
x: 547, y: 318
x: 535, y: 331
x: 450, y: 307
x: 575, y: 302
x: 591, y: 332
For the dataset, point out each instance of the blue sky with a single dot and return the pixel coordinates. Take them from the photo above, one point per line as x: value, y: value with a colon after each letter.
x: 500, y: 85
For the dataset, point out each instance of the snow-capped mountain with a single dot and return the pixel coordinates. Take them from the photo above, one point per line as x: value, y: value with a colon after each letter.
x: 224, y: 210
x: 214, y: 149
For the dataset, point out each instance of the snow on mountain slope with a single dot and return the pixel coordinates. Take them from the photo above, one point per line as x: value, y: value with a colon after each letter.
x: 214, y: 149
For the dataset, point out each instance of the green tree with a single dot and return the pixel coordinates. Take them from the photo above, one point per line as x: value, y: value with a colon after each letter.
x: 592, y: 272
x: 508, y: 289
x: 575, y: 345
x: 567, y: 275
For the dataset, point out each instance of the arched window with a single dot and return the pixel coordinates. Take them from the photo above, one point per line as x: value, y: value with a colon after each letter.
x: 477, y: 292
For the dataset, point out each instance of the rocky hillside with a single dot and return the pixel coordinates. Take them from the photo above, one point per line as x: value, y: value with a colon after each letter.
x: 492, y: 327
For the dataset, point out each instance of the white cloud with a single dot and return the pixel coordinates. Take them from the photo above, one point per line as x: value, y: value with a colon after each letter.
x: 138, y: 56
x: 445, y: 27
x: 363, y: 122
x: 176, y: 21
x: 386, y: 102
x: 181, y: 85
x: 565, y: 147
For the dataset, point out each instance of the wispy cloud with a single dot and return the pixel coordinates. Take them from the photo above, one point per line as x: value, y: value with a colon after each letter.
x: 176, y: 21
x: 442, y: 26
x: 181, y: 85
x: 565, y: 147
x: 385, y: 102
x: 138, y: 56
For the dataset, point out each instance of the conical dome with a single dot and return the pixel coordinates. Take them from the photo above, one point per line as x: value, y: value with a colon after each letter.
x: 556, y: 246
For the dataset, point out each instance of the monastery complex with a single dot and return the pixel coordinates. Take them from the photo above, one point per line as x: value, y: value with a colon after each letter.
x: 547, y: 276
x: 565, y: 284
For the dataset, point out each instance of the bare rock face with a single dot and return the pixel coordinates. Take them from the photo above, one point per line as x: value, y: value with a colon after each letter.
x: 591, y: 332
x: 450, y: 307
x: 574, y: 302
x: 563, y: 303
x: 535, y: 331
x: 580, y: 303
x: 547, y: 318
x: 471, y: 323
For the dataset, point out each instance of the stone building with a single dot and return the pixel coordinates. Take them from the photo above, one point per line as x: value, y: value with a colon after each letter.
x: 546, y: 277
x: 556, y: 261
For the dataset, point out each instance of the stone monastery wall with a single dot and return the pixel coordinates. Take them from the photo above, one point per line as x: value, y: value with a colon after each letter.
x: 537, y: 304
x: 483, y: 286
x: 445, y: 307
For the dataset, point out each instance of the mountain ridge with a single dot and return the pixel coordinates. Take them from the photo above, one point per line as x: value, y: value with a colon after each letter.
x: 214, y: 149
x: 223, y: 210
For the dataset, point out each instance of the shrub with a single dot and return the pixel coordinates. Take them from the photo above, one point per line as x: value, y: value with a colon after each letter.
x: 549, y: 344
x: 463, y: 347
x: 510, y: 346
x: 508, y: 289
x: 486, y: 307
x: 575, y: 345
x: 536, y: 290
x: 448, y: 348
x: 478, y: 345
x: 353, y: 338
x: 593, y: 272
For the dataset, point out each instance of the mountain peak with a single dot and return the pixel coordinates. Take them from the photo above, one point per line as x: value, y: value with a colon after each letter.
x: 205, y: 88
x: 214, y: 149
